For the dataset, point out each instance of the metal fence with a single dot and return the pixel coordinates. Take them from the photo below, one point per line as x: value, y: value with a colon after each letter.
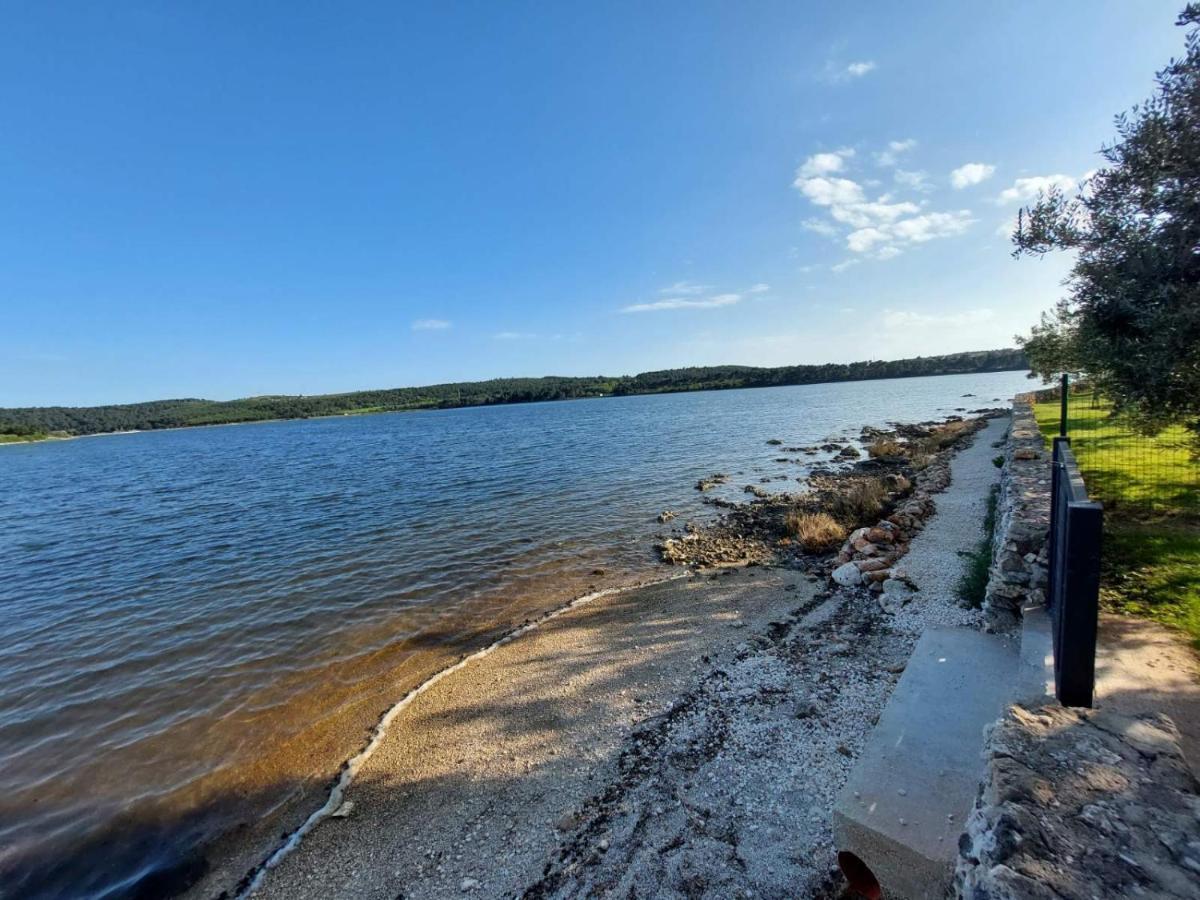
x: 1076, y: 534
x: 1132, y: 472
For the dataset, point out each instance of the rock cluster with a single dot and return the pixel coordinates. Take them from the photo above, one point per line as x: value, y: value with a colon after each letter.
x: 757, y: 532
x: 736, y: 542
x: 869, y: 555
x: 1018, y: 573
x: 1082, y: 803
x: 705, y: 484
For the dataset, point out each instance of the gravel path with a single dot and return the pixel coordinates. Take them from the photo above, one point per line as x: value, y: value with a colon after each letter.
x: 934, y: 562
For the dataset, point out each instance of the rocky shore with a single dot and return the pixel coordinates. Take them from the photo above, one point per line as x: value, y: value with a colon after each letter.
x: 879, y: 503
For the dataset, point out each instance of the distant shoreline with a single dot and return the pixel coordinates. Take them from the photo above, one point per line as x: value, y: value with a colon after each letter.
x: 165, y: 415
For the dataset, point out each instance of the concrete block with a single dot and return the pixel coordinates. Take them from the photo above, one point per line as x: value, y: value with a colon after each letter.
x: 908, y: 796
x: 1035, y: 677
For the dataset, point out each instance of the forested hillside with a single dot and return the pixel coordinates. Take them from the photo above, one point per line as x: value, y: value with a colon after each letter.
x: 188, y: 412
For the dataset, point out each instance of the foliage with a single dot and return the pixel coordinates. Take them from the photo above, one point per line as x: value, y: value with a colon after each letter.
x: 1131, y: 320
x: 815, y: 532
x: 972, y: 584
x: 187, y: 412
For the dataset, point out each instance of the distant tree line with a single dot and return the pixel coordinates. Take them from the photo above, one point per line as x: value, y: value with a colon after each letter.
x: 190, y: 412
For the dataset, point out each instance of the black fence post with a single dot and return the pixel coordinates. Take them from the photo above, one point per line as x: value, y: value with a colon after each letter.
x: 1056, y: 466
x: 1062, y: 409
x: 1075, y: 674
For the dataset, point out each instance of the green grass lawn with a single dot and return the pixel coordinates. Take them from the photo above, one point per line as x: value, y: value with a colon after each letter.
x: 1151, y: 496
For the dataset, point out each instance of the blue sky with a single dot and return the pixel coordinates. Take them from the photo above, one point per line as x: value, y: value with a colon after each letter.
x: 226, y: 199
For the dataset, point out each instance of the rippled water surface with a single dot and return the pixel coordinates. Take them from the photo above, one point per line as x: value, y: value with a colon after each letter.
x: 190, y: 617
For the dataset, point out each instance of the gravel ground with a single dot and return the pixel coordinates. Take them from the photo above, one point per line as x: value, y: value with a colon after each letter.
x: 934, y: 563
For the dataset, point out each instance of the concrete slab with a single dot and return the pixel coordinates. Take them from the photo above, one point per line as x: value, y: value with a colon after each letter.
x: 903, y: 807
x: 1035, y: 679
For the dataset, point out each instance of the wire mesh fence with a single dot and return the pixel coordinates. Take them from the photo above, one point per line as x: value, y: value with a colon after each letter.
x: 1129, y: 471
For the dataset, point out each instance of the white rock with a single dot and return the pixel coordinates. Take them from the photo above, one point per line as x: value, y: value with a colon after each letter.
x: 468, y: 884
x: 847, y: 575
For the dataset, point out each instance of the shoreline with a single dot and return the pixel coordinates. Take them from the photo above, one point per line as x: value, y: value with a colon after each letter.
x: 419, y: 409
x: 296, y: 863
x: 352, y: 766
x: 306, y: 789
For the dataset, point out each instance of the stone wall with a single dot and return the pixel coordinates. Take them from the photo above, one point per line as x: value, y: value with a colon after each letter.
x: 1082, y: 803
x: 1018, y: 572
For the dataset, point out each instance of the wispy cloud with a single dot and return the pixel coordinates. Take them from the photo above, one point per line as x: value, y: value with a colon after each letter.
x: 914, y: 181
x: 514, y: 336
x: 837, y: 71
x: 431, y: 325
x: 685, y: 289
x: 895, y: 149
x: 714, y: 301
x: 971, y: 173
x: 901, y: 318
x: 1025, y: 189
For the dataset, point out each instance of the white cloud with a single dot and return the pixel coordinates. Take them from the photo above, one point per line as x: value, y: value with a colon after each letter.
x: 684, y: 303
x: 844, y: 265
x: 971, y: 173
x: 917, y: 181
x: 830, y: 191
x: 1025, y: 189
x: 820, y: 226
x: 865, y: 238
x: 859, y: 69
x: 685, y: 288
x: 898, y: 319
x: 895, y: 149
x: 431, y: 325
x: 933, y: 225
x: 824, y: 163
x: 714, y: 301
x: 864, y: 215
x: 878, y: 227
x: 514, y: 336
x: 913, y: 230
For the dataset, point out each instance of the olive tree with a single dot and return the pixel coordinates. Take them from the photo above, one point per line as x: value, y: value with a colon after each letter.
x: 1131, y: 317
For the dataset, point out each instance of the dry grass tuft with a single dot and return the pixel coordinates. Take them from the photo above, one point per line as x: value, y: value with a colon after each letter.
x: 815, y: 532
x: 943, y: 436
x: 861, y: 502
x: 885, y: 447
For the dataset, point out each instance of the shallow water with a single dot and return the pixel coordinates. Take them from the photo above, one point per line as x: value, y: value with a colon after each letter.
x: 190, y: 618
